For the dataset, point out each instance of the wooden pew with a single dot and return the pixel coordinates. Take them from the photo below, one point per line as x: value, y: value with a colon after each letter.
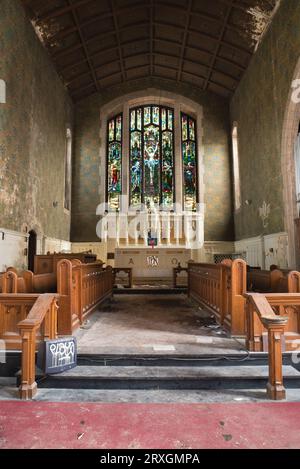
x: 274, y: 281
x: 47, y: 263
x: 221, y: 288
x: 81, y: 288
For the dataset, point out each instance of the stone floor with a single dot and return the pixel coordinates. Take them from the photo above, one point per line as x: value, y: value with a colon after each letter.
x: 164, y: 323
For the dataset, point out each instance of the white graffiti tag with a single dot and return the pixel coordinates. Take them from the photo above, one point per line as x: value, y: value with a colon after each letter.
x: 62, y: 353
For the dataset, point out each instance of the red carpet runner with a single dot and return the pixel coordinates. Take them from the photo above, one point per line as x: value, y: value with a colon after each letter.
x: 163, y: 426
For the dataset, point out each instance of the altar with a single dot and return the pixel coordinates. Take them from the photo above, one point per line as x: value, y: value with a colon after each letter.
x: 149, y: 263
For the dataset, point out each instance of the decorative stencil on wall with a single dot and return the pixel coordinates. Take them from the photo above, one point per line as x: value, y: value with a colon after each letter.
x: 264, y: 213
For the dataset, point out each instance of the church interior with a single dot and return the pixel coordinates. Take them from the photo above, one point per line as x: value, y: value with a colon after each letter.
x: 149, y: 224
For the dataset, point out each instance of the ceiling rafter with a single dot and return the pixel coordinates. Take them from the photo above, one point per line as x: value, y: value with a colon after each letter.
x: 221, y: 35
x: 142, y: 54
x: 166, y: 67
x: 151, y: 42
x: 92, y: 71
x: 184, y: 39
x: 115, y: 20
x: 123, y: 10
x: 98, y: 37
x: 118, y: 40
x: 204, y: 51
x: 157, y: 40
x: 62, y: 10
x: 207, y: 36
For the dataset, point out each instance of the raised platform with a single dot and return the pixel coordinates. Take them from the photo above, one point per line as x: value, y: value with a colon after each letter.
x: 148, y: 323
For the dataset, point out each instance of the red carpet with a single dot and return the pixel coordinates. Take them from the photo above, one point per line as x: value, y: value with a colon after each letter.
x: 162, y: 426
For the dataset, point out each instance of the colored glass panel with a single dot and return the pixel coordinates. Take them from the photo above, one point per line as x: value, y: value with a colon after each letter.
x: 136, y: 168
x: 170, y: 119
x: 167, y: 169
x: 111, y: 130
x: 184, y: 123
x: 114, y: 162
x: 152, y: 157
x: 147, y: 115
x: 189, y: 156
x: 163, y: 119
x: 132, y: 120
x: 139, y: 119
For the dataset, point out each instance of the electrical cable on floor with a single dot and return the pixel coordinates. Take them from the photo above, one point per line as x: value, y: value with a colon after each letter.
x: 105, y: 361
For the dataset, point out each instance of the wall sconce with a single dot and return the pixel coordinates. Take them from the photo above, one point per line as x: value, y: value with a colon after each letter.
x: 55, y: 204
x: 248, y: 202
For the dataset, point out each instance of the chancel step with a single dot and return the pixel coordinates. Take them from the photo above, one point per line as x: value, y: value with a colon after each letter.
x: 167, y: 377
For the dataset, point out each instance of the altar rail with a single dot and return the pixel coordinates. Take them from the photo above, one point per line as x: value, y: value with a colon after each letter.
x: 221, y: 289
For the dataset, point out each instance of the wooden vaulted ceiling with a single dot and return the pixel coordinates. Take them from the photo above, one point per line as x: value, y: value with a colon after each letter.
x: 96, y: 44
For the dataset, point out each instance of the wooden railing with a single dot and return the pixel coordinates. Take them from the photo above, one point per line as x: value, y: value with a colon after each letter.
x: 285, y: 305
x: 81, y: 288
x: 221, y: 289
x: 259, y: 307
x: 13, y: 309
x: 42, y: 318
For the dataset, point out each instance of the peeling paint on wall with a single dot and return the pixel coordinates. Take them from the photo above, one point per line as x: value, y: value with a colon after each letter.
x: 33, y: 127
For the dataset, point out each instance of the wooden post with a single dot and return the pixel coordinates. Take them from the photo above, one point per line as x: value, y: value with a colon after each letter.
x: 10, y: 282
x: 294, y: 282
x: 275, y: 387
x: 237, y: 303
x: 28, y: 279
x: 28, y: 387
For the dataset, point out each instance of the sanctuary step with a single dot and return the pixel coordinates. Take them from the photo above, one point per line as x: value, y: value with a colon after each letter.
x: 235, y: 372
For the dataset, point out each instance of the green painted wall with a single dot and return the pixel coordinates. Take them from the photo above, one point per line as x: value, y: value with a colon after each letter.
x: 217, y: 177
x: 32, y: 130
x: 258, y: 106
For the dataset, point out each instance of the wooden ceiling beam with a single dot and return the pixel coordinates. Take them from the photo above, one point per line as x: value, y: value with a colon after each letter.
x: 167, y: 67
x: 82, y: 40
x: 93, y: 19
x: 218, y: 46
x: 155, y: 40
x: 62, y: 10
x: 117, y: 33
x: 98, y: 37
x: 151, y: 34
x: 184, y: 39
x: 157, y: 54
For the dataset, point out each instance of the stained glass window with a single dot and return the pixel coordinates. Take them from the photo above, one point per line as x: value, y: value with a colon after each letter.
x: 151, y: 156
x: 189, y: 157
x: 114, y: 162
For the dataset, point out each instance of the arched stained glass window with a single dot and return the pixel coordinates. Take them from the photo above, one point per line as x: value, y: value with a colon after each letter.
x: 189, y: 157
x: 114, y: 162
x: 152, y: 156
